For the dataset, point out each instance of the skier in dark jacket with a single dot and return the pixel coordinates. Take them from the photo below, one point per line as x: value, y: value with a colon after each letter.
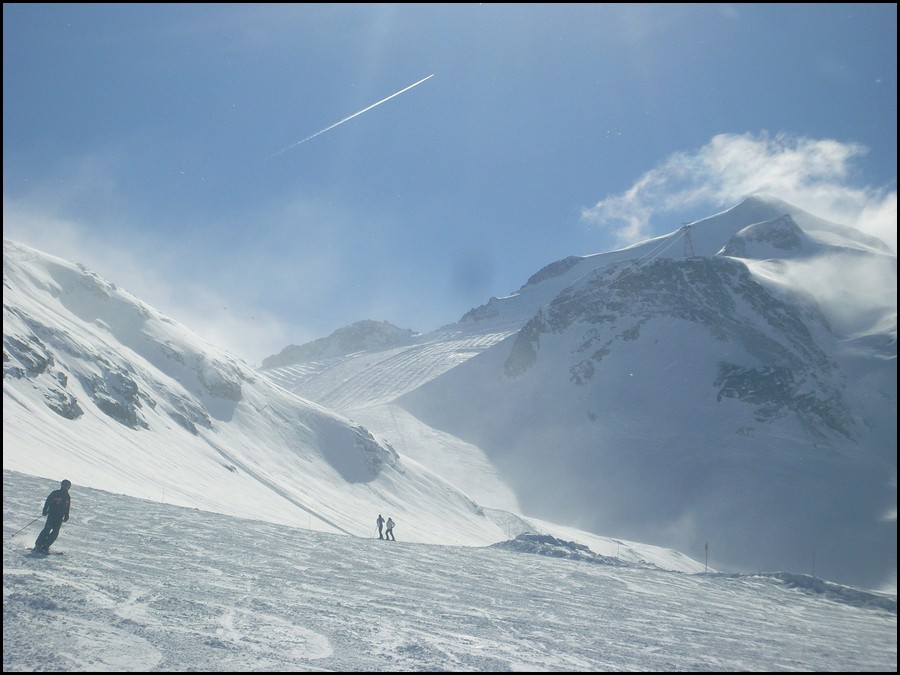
x: 56, y: 508
x: 379, y: 523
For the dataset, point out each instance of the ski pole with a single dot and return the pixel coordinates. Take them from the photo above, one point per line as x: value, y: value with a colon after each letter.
x: 29, y: 524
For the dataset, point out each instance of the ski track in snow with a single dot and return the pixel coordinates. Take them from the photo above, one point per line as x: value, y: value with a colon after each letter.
x: 151, y: 587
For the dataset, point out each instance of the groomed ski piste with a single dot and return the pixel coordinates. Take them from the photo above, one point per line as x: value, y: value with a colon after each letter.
x: 150, y: 587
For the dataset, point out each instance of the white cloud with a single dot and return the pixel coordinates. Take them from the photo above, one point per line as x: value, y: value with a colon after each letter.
x: 880, y: 218
x: 813, y: 174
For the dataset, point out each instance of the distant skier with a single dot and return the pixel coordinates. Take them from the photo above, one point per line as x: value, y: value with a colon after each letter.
x: 56, y: 508
x: 389, y: 530
x: 379, y: 523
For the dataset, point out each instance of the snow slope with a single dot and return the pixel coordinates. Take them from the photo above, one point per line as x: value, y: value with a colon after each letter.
x: 148, y: 587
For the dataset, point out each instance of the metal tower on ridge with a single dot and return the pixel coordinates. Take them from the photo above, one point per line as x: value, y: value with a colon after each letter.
x: 688, y: 243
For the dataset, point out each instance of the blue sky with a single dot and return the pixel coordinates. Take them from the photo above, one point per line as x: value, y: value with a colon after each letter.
x: 139, y: 140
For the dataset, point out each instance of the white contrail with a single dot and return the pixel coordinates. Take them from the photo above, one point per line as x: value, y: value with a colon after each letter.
x: 347, y: 119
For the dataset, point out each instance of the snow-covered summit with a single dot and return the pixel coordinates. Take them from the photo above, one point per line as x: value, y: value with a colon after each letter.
x: 358, y: 337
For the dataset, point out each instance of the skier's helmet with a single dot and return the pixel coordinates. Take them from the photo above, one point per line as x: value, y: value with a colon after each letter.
x: 66, y: 484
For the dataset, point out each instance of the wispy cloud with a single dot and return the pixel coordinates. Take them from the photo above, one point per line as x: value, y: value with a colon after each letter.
x: 814, y: 174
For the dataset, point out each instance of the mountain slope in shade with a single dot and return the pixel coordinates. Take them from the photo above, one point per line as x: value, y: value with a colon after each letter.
x: 686, y: 401
x: 710, y: 385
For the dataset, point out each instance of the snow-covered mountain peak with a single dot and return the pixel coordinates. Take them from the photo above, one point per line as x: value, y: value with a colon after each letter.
x: 777, y: 238
x: 761, y: 208
x: 362, y: 336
